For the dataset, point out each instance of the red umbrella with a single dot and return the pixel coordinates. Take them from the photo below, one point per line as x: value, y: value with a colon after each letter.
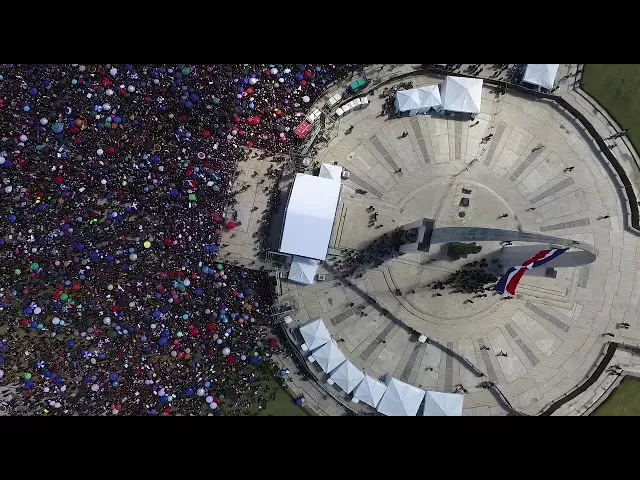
x: 273, y: 342
x: 307, y: 74
x: 231, y: 225
x: 232, y: 359
x: 217, y: 218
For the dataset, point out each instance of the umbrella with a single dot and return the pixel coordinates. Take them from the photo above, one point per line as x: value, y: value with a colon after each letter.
x: 231, y: 225
x: 306, y: 99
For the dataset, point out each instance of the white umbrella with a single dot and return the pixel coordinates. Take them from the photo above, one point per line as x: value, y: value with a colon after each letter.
x: 306, y: 99
x: 274, y: 71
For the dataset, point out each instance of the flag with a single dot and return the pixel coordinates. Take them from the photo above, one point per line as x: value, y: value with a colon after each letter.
x: 509, y: 281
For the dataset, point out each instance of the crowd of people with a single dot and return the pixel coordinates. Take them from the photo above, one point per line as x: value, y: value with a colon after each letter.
x: 475, y: 277
x: 116, y: 185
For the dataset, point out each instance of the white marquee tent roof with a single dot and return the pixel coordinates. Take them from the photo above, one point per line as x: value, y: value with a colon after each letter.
x: 315, y: 334
x: 303, y: 270
x: 332, y: 172
x: 429, y: 96
x: 370, y: 391
x: 400, y: 399
x: 461, y: 94
x: 309, y: 218
x: 347, y: 376
x: 407, y: 100
x: 329, y: 356
x: 439, y: 404
x: 542, y: 74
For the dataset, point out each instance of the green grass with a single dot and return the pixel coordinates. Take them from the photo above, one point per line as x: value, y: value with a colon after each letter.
x: 282, y: 406
x: 624, y: 401
x: 616, y: 87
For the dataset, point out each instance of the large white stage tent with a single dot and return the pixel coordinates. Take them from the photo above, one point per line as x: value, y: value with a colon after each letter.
x: 347, y: 376
x: 369, y: 391
x: 309, y: 219
x: 329, y: 356
x: 439, y: 404
x: 315, y: 334
x: 400, y: 399
x: 541, y: 74
x: 461, y: 94
x: 303, y: 270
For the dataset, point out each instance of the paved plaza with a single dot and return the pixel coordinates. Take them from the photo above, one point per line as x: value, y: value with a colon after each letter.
x: 552, y: 332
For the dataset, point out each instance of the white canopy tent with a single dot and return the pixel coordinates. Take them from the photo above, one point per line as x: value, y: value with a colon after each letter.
x: 400, y: 399
x: 439, y: 404
x: 429, y: 98
x: 347, y: 376
x: 541, y: 74
x: 407, y: 101
x: 315, y: 334
x: 369, y: 391
x: 303, y: 270
x: 309, y: 219
x: 461, y: 94
x: 329, y: 356
x: 332, y: 172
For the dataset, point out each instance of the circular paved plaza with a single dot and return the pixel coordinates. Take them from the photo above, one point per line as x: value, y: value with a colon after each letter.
x: 552, y: 332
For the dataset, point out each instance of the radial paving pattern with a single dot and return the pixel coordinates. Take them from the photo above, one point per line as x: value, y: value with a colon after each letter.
x: 551, y: 333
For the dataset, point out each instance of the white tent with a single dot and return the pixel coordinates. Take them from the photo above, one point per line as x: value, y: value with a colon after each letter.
x: 309, y: 219
x: 439, y: 404
x: 370, y: 391
x: 347, y: 376
x: 407, y: 101
x: 541, y: 74
x: 303, y: 270
x: 329, y: 356
x: 315, y: 334
x: 461, y: 94
x: 400, y: 399
x: 332, y: 172
x: 429, y: 98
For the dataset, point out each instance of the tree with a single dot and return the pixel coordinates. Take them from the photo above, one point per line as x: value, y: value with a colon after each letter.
x: 461, y: 250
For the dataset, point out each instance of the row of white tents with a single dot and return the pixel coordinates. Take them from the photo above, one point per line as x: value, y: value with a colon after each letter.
x: 463, y: 94
x: 454, y: 94
x: 393, y: 397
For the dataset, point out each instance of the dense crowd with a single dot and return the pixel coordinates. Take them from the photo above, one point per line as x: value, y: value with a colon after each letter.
x: 116, y: 183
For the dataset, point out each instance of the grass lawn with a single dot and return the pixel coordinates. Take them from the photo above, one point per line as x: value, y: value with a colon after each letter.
x: 282, y: 406
x: 616, y: 87
x: 624, y: 401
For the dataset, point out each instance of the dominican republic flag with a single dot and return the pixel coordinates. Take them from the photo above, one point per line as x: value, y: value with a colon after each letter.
x: 510, y: 280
